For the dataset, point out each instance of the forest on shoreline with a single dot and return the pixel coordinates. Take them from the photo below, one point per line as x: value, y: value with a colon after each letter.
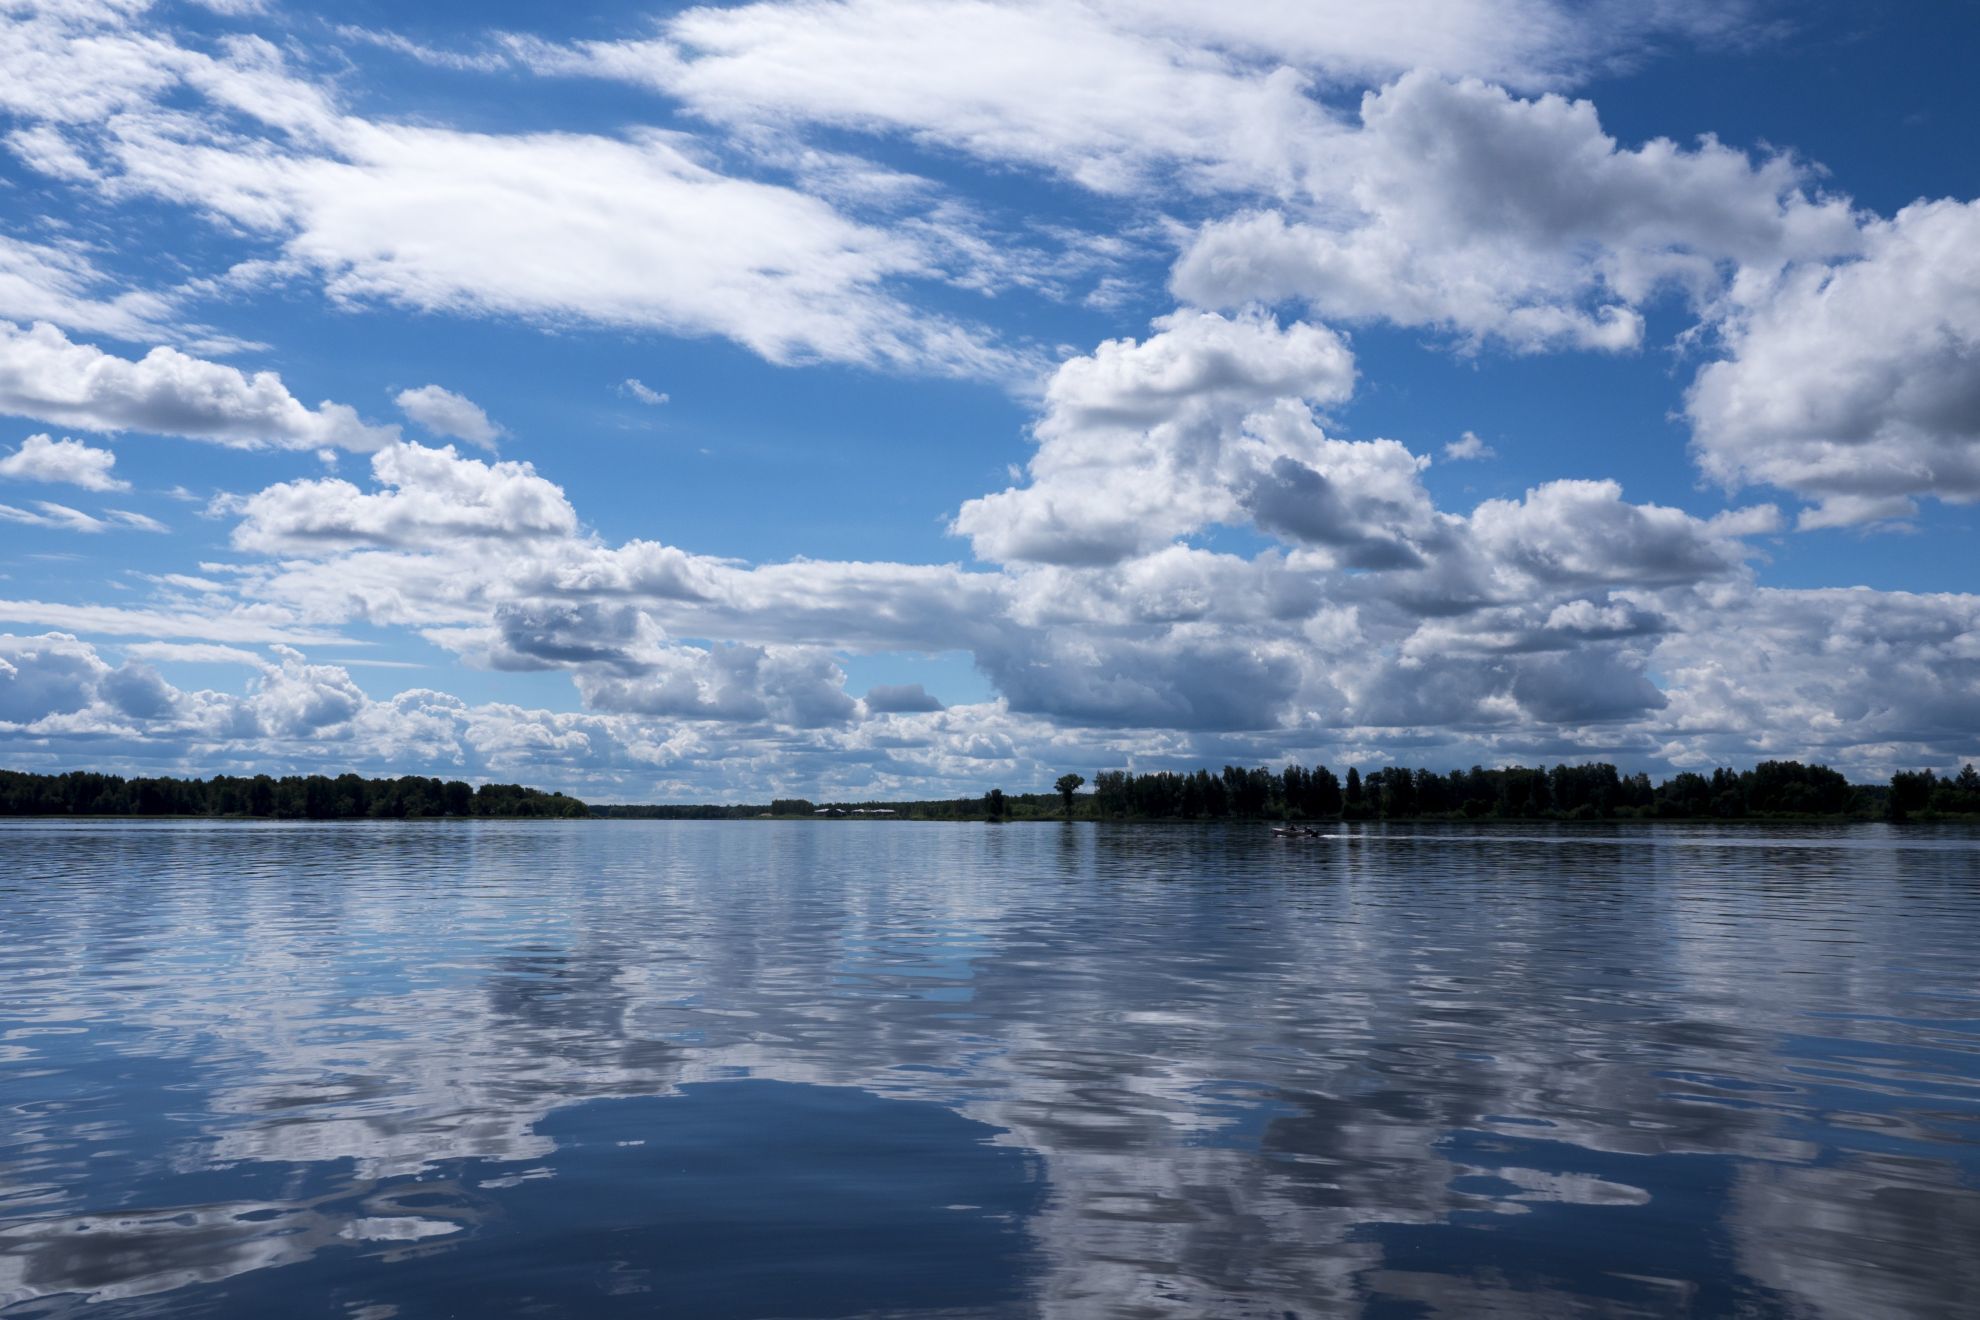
x: 291, y: 797
x: 1771, y: 790
x: 1785, y: 790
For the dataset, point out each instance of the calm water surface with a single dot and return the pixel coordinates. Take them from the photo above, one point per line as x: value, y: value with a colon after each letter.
x: 837, y: 1069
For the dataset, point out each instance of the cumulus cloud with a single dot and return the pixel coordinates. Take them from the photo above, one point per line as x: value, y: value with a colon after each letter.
x: 1462, y: 208
x: 1856, y: 385
x: 1584, y: 532
x: 1375, y: 588
x: 1193, y: 653
x: 1183, y: 675
x: 633, y: 387
x: 900, y: 698
x: 1468, y: 447
x: 45, y: 375
x: 60, y: 699
x: 50, y: 675
x: 1879, y: 679
x: 294, y: 698
x: 444, y: 412
x: 65, y: 461
x: 1358, y: 615
x: 1141, y: 442
x: 799, y: 687
x: 429, y: 496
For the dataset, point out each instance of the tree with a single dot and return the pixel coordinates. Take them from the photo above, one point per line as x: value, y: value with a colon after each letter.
x: 993, y: 804
x: 1067, y: 786
x: 1961, y: 793
x: 1911, y: 790
x: 1326, y: 793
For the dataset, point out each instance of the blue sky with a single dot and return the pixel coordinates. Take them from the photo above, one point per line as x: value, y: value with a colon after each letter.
x: 869, y: 398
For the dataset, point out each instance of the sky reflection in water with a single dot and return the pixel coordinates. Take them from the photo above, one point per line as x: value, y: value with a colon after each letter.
x: 838, y: 1069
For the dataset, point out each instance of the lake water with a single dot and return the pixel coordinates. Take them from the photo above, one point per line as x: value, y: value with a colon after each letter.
x: 848, y: 1069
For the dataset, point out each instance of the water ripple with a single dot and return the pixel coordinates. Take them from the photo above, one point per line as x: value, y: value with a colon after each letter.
x: 825, y: 1069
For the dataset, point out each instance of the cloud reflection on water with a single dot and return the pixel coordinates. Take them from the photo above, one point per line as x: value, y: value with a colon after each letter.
x: 1257, y: 1078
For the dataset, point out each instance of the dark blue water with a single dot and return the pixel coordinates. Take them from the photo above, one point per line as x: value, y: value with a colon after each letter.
x: 388, y: 1072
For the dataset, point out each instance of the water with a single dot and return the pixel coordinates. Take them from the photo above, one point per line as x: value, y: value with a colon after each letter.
x: 836, y: 1069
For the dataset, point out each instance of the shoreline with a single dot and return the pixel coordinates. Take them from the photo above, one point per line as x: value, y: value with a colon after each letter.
x: 1482, y: 822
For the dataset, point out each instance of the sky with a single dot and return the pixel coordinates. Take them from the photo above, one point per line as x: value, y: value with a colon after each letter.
x: 896, y: 398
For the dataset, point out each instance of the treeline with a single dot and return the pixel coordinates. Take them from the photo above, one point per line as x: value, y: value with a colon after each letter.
x: 994, y: 805
x: 1565, y: 792
x: 1924, y: 793
x: 1778, y: 789
x: 291, y: 797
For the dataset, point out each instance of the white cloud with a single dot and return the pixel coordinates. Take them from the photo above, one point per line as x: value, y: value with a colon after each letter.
x: 1584, y: 532
x: 487, y: 558
x: 639, y: 230
x: 1568, y: 620
x: 64, y: 518
x: 227, y: 622
x: 45, y: 148
x: 1879, y: 679
x: 1062, y: 88
x: 81, y: 62
x: 1117, y: 95
x: 430, y: 496
x: 557, y: 228
x: 49, y: 675
x: 482, y: 61
x: 197, y: 653
x: 642, y: 230
x: 796, y: 687
x: 1143, y: 442
x: 900, y: 698
x: 446, y: 413
x: 46, y: 376
x: 1461, y: 208
x: 1468, y: 447
x: 1506, y: 619
x: 1856, y: 385
x: 66, y: 461
x: 136, y: 521
x: 62, y: 284
x: 294, y: 698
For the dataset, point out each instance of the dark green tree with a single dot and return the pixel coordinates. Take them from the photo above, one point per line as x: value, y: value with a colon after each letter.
x: 1067, y: 786
x: 1911, y: 790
